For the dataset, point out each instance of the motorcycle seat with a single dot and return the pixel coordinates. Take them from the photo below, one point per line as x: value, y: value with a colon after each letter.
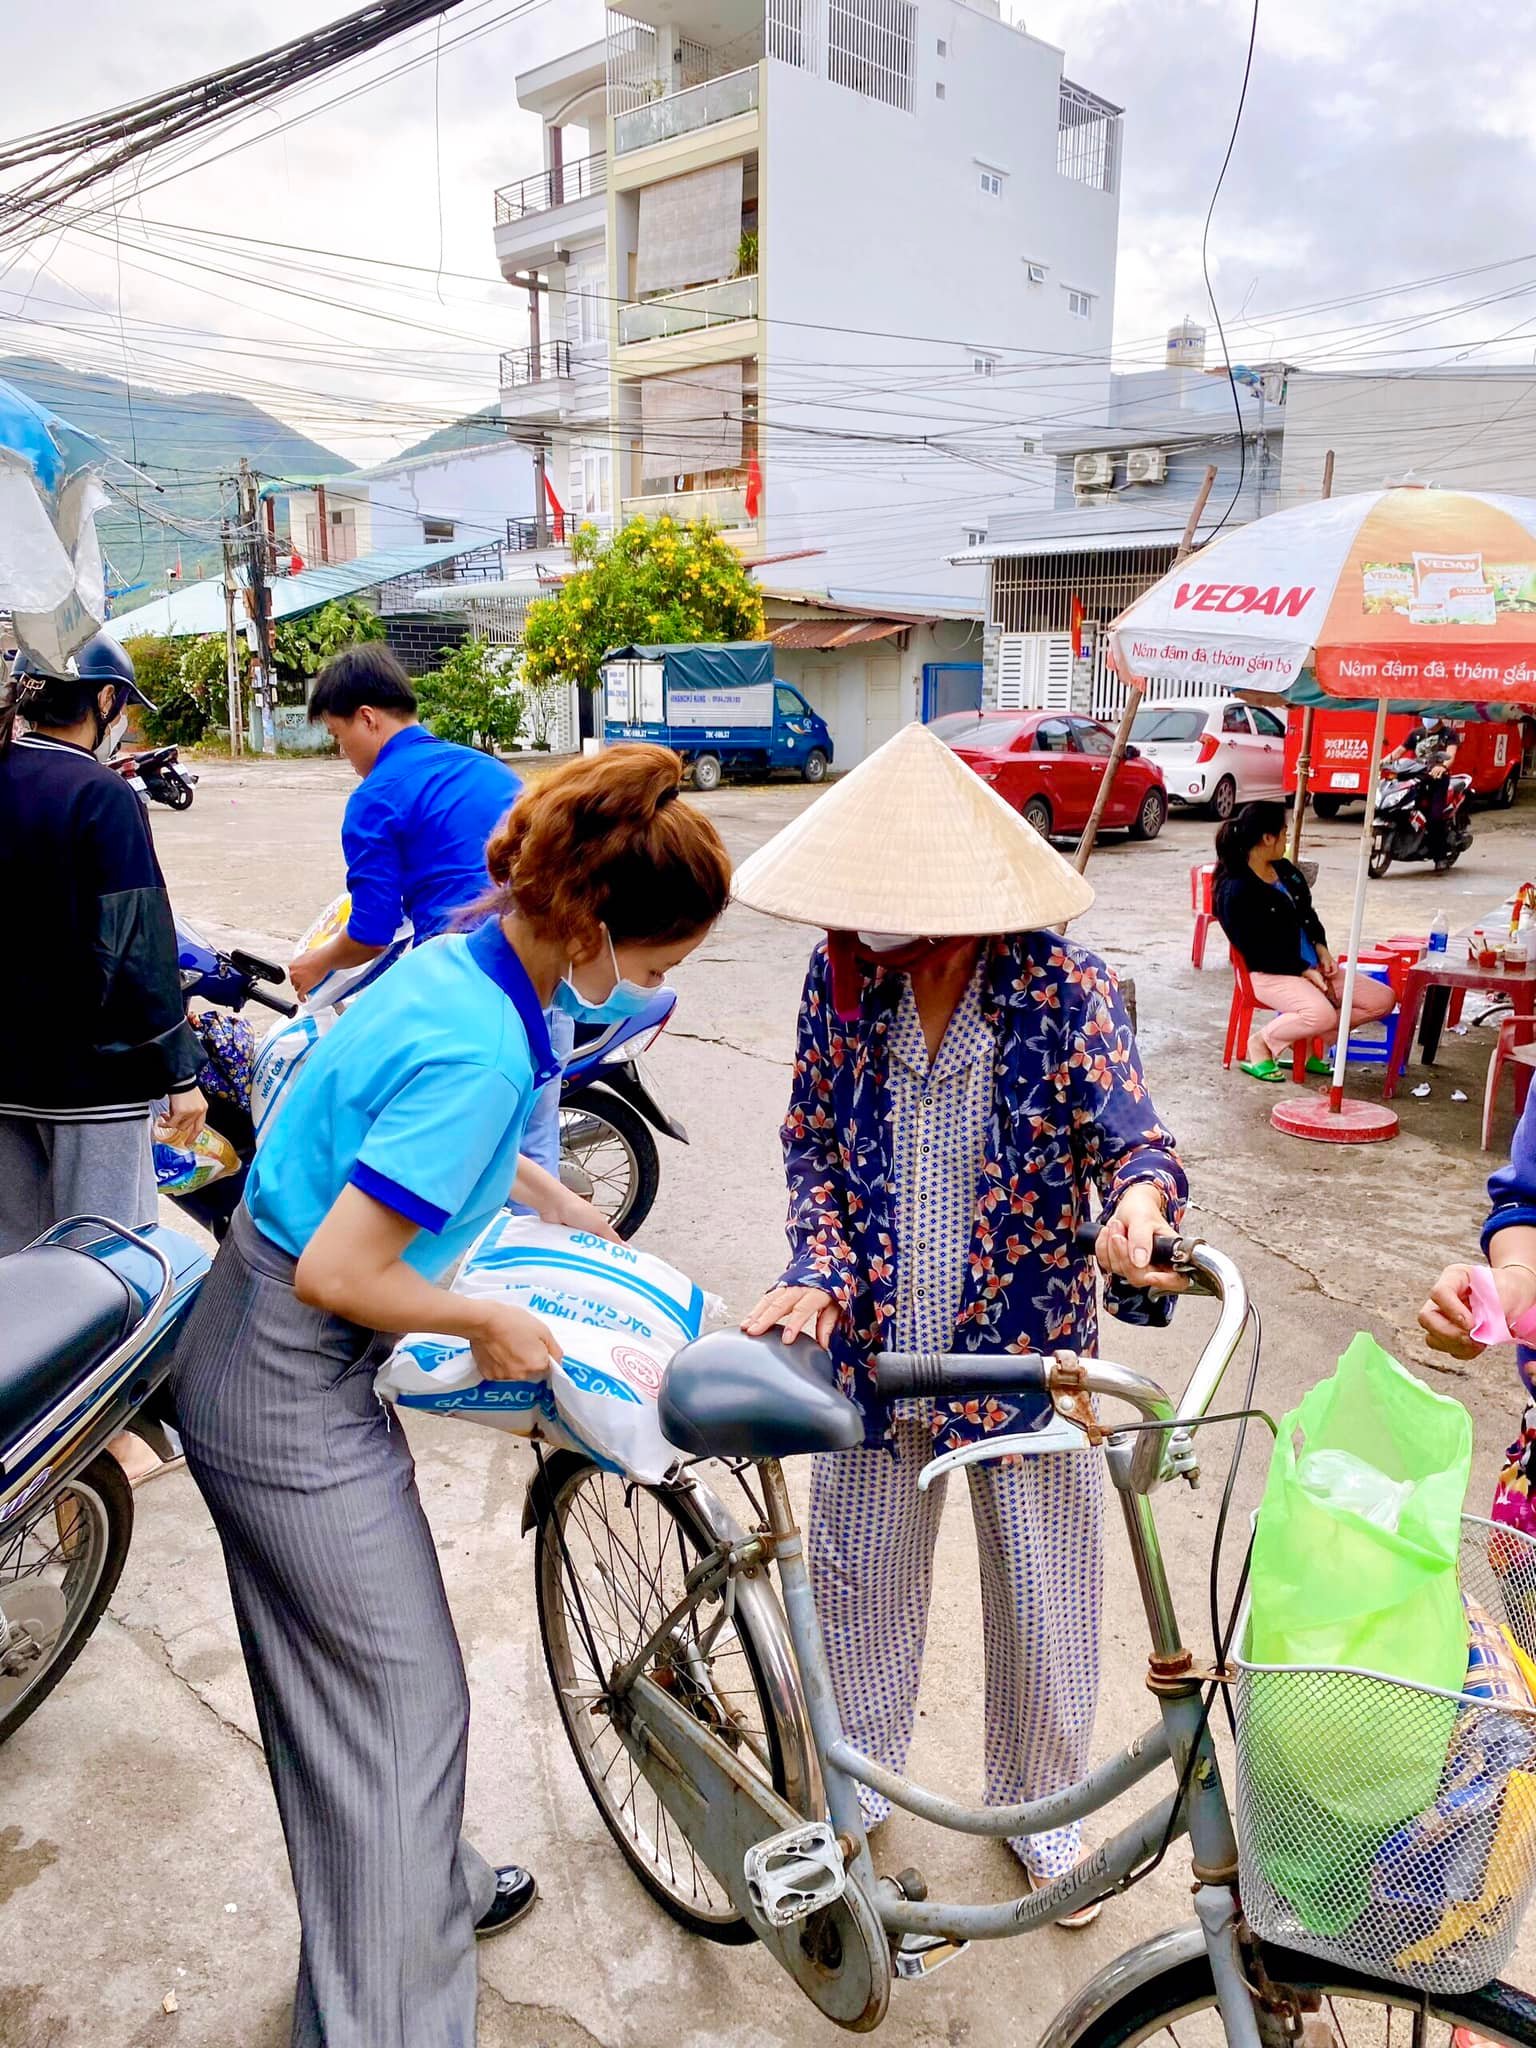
x: 728, y: 1395
x: 61, y: 1312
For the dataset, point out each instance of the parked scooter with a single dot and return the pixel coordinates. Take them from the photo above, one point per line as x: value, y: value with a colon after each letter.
x: 157, y: 774
x: 608, y: 1112
x: 91, y: 1312
x: 1402, y: 827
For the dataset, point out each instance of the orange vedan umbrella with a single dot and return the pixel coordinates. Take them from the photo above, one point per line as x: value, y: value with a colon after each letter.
x: 1406, y: 593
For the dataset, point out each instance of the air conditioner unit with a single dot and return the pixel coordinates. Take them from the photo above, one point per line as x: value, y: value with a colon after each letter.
x: 1146, y: 466
x: 1035, y: 272
x: 1093, y: 472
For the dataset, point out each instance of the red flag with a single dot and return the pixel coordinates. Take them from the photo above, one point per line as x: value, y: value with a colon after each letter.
x: 754, y: 486
x: 557, y: 508
x: 1079, y: 652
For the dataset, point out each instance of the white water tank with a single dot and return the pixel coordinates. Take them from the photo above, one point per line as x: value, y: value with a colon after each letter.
x: 1186, y: 346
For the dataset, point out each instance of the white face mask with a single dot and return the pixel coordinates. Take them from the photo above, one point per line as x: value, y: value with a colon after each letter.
x: 885, y: 942
x: 111, y: 739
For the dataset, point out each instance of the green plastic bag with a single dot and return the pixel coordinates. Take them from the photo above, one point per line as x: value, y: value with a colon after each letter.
x: 1354, y: 1565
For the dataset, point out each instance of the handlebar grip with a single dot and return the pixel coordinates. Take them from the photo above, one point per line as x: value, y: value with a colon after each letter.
x: 956, y: 1376
x: 1165, y: 1243
x: 279, y: 1003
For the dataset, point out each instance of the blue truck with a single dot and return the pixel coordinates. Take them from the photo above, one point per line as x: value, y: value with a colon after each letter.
x: 719, y: 705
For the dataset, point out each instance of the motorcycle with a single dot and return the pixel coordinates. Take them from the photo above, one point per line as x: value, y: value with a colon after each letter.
x: 1401, y: 829
x: 208, y: 1180
x: 157, y: 773
x: 608, y: 1112
x: 91, y: 1312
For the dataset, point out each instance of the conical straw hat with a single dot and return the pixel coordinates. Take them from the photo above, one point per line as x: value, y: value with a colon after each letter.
x: 912, y: 841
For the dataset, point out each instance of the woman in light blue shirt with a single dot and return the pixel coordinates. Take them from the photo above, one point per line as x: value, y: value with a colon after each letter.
x: 399, y: 1143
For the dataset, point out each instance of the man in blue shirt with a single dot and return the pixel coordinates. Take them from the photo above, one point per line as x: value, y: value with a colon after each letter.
x: 414, y: 833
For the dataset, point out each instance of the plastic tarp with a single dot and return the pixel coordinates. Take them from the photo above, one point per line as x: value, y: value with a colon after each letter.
x: 706, y: 664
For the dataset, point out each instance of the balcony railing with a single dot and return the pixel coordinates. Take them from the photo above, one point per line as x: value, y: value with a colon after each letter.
x: 680, y: 113
x: 707, y: 305
x: 579, y: 180
x: 725, y: 506
x: 1087, y: 138
x: 520, y: 366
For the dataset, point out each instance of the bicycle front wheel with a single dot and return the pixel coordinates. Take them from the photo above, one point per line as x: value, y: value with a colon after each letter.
x: 1177, y: 2009
x: 612, y: 1561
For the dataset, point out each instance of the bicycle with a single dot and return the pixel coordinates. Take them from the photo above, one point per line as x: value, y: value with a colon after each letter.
x: 701, y: 1713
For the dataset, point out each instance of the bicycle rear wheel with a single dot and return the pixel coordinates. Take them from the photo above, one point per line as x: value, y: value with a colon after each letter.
x: 1177, y: 2009
x: 612, y: 1560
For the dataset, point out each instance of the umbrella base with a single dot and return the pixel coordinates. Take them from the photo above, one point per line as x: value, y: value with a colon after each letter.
x: 1352, y: 1123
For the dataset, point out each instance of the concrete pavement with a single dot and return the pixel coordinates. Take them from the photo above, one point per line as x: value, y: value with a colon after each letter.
x: 134, y: 1809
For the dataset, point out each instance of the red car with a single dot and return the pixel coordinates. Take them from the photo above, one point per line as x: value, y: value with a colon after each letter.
x: 1048, y: 765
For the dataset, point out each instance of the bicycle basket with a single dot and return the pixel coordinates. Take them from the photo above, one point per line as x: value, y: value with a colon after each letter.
x: 1386, y: 1826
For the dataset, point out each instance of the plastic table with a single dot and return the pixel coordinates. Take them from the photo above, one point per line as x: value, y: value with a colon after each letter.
x: 1427, y: 996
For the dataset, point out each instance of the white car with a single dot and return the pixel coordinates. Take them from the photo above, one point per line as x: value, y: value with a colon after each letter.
x: 1213, y: 751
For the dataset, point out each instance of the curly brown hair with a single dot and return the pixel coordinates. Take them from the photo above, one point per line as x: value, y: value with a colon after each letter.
x: 604, y: 841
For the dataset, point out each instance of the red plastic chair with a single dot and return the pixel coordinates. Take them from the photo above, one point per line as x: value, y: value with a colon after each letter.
x: 1202, y: 880
x: 1240, y: 1025
x: 1516, y: 1035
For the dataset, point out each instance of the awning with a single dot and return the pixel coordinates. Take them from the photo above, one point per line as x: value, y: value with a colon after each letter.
x: 812, y: 633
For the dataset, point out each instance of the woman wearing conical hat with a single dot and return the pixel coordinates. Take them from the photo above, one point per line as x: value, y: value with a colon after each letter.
x: 965, y: 1082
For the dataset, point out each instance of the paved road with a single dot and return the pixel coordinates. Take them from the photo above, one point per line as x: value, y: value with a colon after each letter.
x: 139, y: 1853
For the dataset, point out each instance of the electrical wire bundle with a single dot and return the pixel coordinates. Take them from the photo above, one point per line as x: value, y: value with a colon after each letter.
x: 75, y: 156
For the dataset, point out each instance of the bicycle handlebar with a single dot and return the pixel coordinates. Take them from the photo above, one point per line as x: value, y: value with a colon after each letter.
x: 965, y: 1376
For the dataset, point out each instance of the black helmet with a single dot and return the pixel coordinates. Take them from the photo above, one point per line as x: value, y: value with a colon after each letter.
x: 100, y: 661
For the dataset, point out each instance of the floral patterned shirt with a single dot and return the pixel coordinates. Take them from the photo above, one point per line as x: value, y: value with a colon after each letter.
x: 1067, y: 1111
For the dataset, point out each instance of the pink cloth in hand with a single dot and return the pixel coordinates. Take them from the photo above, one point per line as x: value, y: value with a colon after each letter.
x: 1488, y: 1324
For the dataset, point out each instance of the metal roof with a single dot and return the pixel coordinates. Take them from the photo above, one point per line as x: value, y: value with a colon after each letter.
x: 1085, y: 541
x: 199, y: 608
x: 827, y: 633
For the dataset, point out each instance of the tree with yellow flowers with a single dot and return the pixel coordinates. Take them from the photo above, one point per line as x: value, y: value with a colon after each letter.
x: 655, y: 582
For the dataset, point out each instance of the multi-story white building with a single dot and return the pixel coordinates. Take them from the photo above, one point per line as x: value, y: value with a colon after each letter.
x: 817, y: 269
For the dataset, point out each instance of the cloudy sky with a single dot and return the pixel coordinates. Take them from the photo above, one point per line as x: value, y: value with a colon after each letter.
x: 1377, y: 208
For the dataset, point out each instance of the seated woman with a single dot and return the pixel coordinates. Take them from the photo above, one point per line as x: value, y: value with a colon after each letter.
x: 1264, y: 906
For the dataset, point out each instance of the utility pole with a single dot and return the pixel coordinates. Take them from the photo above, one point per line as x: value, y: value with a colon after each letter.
x: 231, y: 639
x: 259, y: 602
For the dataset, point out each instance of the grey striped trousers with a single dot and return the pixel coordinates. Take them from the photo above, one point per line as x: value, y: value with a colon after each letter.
x: 353, y: 1661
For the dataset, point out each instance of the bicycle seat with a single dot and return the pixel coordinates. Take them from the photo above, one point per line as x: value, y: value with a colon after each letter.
x: 728, y: 1395
x: 62, y: 1312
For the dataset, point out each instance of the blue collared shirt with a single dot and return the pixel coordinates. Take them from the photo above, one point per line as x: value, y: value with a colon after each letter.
x: 414, y: 834
x: 419, y: 1095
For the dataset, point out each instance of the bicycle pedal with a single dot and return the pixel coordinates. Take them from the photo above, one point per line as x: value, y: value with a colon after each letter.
x: 795, y: 1873
x: 919, y: 1955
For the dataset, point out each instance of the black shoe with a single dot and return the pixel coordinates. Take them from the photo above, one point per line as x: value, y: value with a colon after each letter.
x: 516, y: 1890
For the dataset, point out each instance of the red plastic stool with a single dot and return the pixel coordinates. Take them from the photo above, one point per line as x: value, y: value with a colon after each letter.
x: 1240, y: 1025
x: 1513, y: 1049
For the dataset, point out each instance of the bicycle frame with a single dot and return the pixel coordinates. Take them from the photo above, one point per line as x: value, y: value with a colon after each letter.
x: 1139, y: 1460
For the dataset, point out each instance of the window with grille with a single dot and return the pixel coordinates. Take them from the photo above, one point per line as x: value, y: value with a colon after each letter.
x: 869, y: 48
x: 1080, y: 305
x: 975, y: 536
x: 992, y: 183
x: 983, y: 365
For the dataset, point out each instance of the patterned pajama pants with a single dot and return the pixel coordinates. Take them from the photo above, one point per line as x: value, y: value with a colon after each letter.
x: 1039, y: 1530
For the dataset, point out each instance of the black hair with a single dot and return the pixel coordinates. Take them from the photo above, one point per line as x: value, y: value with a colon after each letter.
x: 1237, y: 836
x: 53, y: 702
x: 370, y: 673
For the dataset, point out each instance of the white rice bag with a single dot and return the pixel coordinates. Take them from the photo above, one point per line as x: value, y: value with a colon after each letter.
x: 619, y: 1315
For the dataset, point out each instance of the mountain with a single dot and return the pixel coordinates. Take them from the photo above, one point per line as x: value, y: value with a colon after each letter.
x: 473, y: 431
x: 186, y: 441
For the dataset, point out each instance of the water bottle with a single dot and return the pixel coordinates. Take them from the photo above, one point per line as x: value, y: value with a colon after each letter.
x: 1439, y: 933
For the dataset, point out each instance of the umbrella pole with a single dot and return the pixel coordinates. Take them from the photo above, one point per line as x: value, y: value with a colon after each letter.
x: 1357, y: 914
x: 1332, y: 1120
x: 1308, y: 718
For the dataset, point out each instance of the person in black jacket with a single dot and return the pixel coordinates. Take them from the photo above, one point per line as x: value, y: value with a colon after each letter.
x: 1264, y: 906
x: 94, y: 1033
